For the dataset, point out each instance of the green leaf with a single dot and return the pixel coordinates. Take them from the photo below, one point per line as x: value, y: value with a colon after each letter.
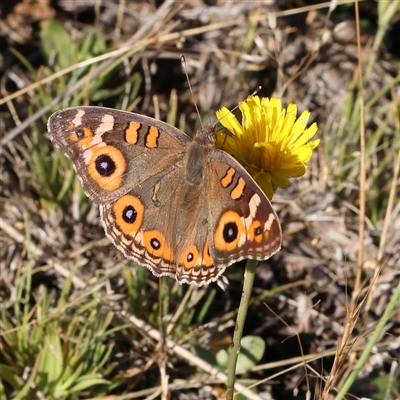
x: 87, y: 381
x: 251, y: 352
x: 222, y: 359
x: 56, y: 41
x: 7, y: 373
x: 92, y: 44
x: 382, y: 383
x: 51, y: 362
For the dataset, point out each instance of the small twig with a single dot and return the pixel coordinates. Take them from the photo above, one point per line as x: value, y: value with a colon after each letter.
x: 163, y: 301
x: 361, y: 228
x: 391, y: 202
x: 249, y: 275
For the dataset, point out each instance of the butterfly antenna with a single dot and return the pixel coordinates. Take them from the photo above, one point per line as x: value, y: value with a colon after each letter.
x: 236, y: 107
x: 183, y: 62
x: 259, y: 87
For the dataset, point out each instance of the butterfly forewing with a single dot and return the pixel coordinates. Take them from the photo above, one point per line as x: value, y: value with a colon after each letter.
x: 113, y: 151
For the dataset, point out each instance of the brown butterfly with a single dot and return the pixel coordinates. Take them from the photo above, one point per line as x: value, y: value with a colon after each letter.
x: 175, y: 205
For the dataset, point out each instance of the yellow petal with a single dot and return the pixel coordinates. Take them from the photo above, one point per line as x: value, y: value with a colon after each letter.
x: 229, y: 121
x: 270, y: 142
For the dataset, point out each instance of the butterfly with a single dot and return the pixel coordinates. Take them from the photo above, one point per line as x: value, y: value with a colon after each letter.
x: 176, y: 205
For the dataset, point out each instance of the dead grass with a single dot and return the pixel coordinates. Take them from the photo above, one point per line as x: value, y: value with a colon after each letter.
x: 316, y: 304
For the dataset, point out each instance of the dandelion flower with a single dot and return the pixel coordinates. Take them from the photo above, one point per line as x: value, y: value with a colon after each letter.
x: 269, y: 142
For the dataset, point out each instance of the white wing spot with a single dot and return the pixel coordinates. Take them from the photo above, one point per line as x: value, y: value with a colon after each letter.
x: 268, y: 223
x: 106, y: 124
x: 253, y: 205
x: 77, y: 121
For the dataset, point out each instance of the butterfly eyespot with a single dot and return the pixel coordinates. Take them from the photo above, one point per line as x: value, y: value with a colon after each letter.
x: 83, y: 136
x: 105, y: 165
x: 80, y: 133
x: 128, y: 214
x: 155, y: 243
x: 77, y: 133
x: 230, y: 232
x: 255, y: 231
x: 189, y: 257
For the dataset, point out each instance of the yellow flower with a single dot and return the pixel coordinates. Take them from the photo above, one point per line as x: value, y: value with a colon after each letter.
x: 269, y: 142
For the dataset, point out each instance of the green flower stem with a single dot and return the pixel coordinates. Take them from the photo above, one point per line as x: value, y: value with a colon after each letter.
x: 249, y: 275
x: 372, y: 342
